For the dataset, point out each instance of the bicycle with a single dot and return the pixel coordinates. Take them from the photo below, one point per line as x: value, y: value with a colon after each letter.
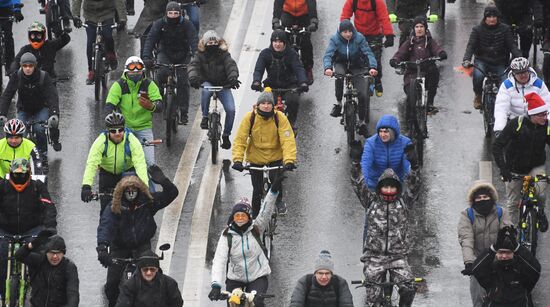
x: 100, y: 66
x: 169, y: 98
x: 130, y: 264
x: 239, y: 298
x: 529, y: 210
x: 32, y: 134
x: 214, y: 121
x: 52, y: 12
x: 416, y: 107
x: 350, y: 116
x: 387, y: 289
x: 538, y: 39
x: 3, y: 60
x: 280, y: 102
x: 269, y: 232
x: 491, y: 84
x: 18, y: 279
x: 295, y: 34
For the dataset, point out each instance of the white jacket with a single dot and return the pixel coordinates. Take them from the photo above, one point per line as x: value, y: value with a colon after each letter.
x: 247, y: 261
x: 510, y: 102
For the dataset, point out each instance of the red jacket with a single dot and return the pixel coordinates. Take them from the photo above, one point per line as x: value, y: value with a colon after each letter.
x: 366, y: 20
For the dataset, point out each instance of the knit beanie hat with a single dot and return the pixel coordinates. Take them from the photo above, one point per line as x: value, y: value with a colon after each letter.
x: 210, y: 35
x: 535, y: 104
x: 242, y: 206
x: 56, y: 243
x: 28, y: 58
x: 420, y: 19
x: 279, y: 35
x: 265, y: 96
x: 345, y: 25
x: 491, y: 10
x: 149, y: 259
x: 324, y: 262
x: 483, y: 191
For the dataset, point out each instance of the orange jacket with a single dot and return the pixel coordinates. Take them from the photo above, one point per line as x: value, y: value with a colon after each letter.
x: 367, y: 21
x: 295, y: 8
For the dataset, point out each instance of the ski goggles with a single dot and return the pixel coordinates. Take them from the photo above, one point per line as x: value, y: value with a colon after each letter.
x: 134, y: 66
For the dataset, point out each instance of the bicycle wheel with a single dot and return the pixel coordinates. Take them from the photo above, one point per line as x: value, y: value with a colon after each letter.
x: 421, y: 112
x: 169, y: 117
x: 488, y: 102
x: 410, y: 106
x: 98, y: 73
x: 530, y: 232
x: 214, y: 135
x: 14, y: 293
x: 349, y: 110
x: 442, y: 6
x: 367, y: 101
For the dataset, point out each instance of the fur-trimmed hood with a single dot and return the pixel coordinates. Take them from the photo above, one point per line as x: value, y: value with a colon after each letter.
x: 481, y: 184
x: 128, y: 181
x: 222, y: 45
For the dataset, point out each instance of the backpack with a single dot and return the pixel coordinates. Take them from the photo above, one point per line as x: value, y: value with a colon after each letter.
x: 257, y: 235
x: 471, y: 215
x: 40, y: 82
x: 143, y: 87
x: 372, y: 4
x: 253, y: 118
x: 334, y: 281
x: 127, y: 149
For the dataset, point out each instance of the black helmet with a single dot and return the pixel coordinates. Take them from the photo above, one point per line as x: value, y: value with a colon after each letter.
x: 114, y: 120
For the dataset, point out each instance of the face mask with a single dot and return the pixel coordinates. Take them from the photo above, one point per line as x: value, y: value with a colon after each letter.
x: 134, y: 77
x: 211, y: 48
x: 130, y: 194
x: 172, y: 21
x: 483, y: 207
x: 266, y: 115
x: 19, y: 178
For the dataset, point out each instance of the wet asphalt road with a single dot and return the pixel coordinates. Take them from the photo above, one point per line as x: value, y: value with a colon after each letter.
x: 324, y: 213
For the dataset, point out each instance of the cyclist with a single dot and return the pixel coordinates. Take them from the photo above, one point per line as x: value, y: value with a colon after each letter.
x: 66, y: 16
x: 303, y: 13
x: 15, y: 145
x: 410, y: 9
x: 371, y: 19
x: 507, y: 271
x: 519, y: 14
x: 25, y: 209
x: 520, y: 149
x: 240, y: 251
x: 137, y: 98
x: 115, y: 152
x: 491, y: 43
x: 99, y: 11
x: 284, y: 70
x: 510, y: 102
x: 192, y: 9
x: 177, y: 40
x: 9, y: 8
x: 478, y: 226
x: 126, y: 228
x: 150, y: 286
x: 420, y: 46
x: 541, y: 16
x: 54, y: 277
x: 213, y: 65
x: 44, y: 50
x: 266, y: 136
x: 348, y: 51
x: 386, y: 246
x: 323, y: 287
x: 37, y: 100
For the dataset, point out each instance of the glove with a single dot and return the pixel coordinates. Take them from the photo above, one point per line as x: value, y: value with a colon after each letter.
x: 235, y: 84
x: 393, y: 18
x: 304, y: 87
x: 277, y: 184
x: 256, y: 86
x: 215, y: 293
x: 200, y: 2
x: 42, y: 237
x: 443, y: 55
x: 506, y: 239
x: 389, y: 41
x: 103, y: 256
x: 505, y: 174
x: 53, y: 121
x: 411, y: 156
x: 451, y: 1
x: 77, y: 22
x: 238, y: 166
x: 86, y: 193
x: 466, y: 64
x: 313, y: 26
x: 356, y: 151
x: 18, y: 16
x: 121, y: 25
x: 433, y: 18
x: 276, y: 23
x: 290, y: 166
x: 156, y: 174
x: 497, y: 133
x: 467, y: 269
x: 3, y: 120
x: 393, y: 63
x: 149, y: 63
x: 195, y: 82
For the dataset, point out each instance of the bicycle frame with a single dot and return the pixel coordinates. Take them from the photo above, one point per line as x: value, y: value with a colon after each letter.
x: 169, y: 97
x: 17, y: 279
x: 491, y: 83
x: 214, y: 121
x: 295, y: 34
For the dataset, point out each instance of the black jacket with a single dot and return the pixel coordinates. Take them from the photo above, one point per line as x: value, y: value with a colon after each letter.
x: 492, y: 45
x: 520, y: 151
x: 32, y: 96
x: 176, y: 41
x: 309, y: 293
x: 163, y: 291
x: 44, y: 55
x: 20, y: 212
x: 516, y: 10
x: 52, y: 286
x: 217, y: 68
x: 507, y: 285
x: 284, y: 69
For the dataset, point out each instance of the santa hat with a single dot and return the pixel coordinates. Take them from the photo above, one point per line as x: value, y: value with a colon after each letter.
x: 535, y: 104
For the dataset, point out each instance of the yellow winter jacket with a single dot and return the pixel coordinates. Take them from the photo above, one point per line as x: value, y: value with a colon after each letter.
x: 267, y: 143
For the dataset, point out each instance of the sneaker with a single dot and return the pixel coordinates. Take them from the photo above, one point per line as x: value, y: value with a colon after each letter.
x: 56, y: 146
x: 226, y: 144
x: 67, y: 26
x: 204, y: 123
x: 112, y: 60
x: 336, y: 110
x: 281, y: 207
x: 543, y: 221
x: 90, y: 79
x: 432, y: 110
x: 309, y: 74
x: 183, y: 120
x: 378, y: 89
x: 477, y: 102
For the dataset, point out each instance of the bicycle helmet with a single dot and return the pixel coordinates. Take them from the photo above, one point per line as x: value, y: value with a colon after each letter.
x: 37, y: 34
x: 519, y: 65
x: 20, y: 174
x: 14, y: 127
x: 137, y: 64
x: 114, y: 120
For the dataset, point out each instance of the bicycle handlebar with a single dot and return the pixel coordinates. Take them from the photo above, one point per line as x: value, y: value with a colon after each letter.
x: 539, y: 177
x: 296, y: 29
x: 97, y: 195
x: 225, y: 295
x: 113, y: 26
x: 155, y: 142
x: 215, y: 88
x: 365, y: 75
x: 399, y: 19
x: 486, y: 74
x: 125, y: 260
x: 365, y: 283
x: 264, y: 168
x: 418, y: 62
x: 171, y: 66
x: 16, y: 238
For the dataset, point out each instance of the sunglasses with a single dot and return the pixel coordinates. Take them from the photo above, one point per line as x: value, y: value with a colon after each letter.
x: 150, y: 269
x: 134, y: 66
x: 117, y: 130
x: 34, y: 35
x: 27, y: 65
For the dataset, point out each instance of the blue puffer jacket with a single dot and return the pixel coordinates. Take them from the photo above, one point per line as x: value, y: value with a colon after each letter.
x: 10, y: 4
x: 353, y: 52
x: 378, y: 156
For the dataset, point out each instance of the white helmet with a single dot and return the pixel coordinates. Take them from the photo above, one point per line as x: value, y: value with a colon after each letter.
x: 519, y: 64
x: 134, y: 60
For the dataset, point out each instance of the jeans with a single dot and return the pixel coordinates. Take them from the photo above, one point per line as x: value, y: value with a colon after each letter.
x: 359, y: 83
x: 478, y: 76
x: 149, y: 151
x: 304, y: 40
x: 226, y: 98
x: 65, y: 9
x: 4, y: 253
x: 182, y: 87
x: 260, y: 285
x: 376, y: 47
x: 41, y: 140
x: 257, y: 178
x: 476, y: 292
x: 193, y: 12
x: 107, y: 33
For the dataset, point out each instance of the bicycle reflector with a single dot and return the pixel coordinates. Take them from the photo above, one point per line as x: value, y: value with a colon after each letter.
x: 135, y: 66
